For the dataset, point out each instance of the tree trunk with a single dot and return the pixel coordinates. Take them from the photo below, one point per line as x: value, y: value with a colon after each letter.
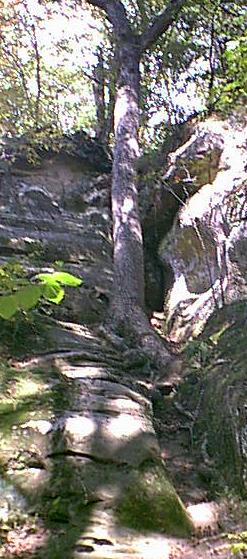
x: 128, y: 304
x: 111, y: 85
x: 99, y: 97
x: 105, y: 79
x: 127, y: 234
x: 127, y: 312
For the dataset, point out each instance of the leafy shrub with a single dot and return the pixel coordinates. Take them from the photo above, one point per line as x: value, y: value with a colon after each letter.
x: 17, y: 293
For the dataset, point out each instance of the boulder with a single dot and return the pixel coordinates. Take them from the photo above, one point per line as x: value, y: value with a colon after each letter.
x: 206, y: 245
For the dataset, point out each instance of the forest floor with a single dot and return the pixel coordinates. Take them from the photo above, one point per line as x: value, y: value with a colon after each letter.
x: 218, y: 513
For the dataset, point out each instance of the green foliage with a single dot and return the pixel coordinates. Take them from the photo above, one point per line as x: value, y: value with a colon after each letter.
x: 47, y: 77
x: 239, y: 544
x: 51, y: 285
x: 17, y: 293
x: 233, y: 89
x: 41, y: 80
x: 185, y: 71
x: 199, y: 352
x: 24, y: 329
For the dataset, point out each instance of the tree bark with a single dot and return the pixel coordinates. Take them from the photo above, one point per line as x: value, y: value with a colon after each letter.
x: 99, y: 96
x: 127, y: 234
x: 127, y: 310
x: 161, y: 23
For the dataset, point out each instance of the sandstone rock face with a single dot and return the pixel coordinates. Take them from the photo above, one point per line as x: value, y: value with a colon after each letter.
x: 58, y: 210
x: 81, y: 446
x: 206, y: 245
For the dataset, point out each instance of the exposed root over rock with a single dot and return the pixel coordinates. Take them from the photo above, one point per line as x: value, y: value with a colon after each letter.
x: 133, y: 333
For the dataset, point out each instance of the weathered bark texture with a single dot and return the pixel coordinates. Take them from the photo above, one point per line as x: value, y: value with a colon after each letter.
x: 127, y: 235
x: 127, y: 312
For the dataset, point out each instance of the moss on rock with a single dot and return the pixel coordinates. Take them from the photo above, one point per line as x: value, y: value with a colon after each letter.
x: 150, y: 503
x: 219, y: 396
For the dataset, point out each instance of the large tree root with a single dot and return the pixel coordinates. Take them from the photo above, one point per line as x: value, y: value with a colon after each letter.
x: 134, y: 330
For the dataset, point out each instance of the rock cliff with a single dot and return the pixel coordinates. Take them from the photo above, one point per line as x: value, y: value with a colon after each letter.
x: 206, y: 244
x: 78, y: 441
x: 77, y: 410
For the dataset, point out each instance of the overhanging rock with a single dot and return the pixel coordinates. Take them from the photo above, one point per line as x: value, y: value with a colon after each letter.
x: 208, y: 240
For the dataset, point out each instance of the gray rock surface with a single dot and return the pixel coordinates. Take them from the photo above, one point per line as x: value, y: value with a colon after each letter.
x: 57, y: 210
x: 206, y: 244
x: 81, y: 444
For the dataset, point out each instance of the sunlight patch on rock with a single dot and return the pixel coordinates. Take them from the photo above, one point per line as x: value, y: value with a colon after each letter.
x: 79, y: 425
x: 125, y: 426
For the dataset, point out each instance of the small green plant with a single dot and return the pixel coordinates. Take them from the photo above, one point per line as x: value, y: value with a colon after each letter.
x: 17, y: 293
x: 198, y: 352
x: 238, y: 546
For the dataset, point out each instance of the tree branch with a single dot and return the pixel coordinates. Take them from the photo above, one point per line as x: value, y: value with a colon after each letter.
x: 161, y: 23
x: 116, y: 14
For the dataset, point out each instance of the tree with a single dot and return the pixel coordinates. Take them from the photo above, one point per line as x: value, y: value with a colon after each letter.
x: 171, y: 30
x: 128, y: 304
x: 42, y: 84
x: 134, y: 39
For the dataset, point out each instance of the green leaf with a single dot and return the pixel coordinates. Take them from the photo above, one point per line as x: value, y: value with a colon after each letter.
x: 53, y: 292
x: 67, y: 279
x: 28, y: 297
x: 243, y: 535
x: 236, y: 548
x: 61, y: 277
x: 45, y: 278
x: 8, y: 306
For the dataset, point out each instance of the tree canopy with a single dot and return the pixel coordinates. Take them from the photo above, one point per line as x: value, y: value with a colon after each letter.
x: 43, y: 83
x: 66, y: 79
